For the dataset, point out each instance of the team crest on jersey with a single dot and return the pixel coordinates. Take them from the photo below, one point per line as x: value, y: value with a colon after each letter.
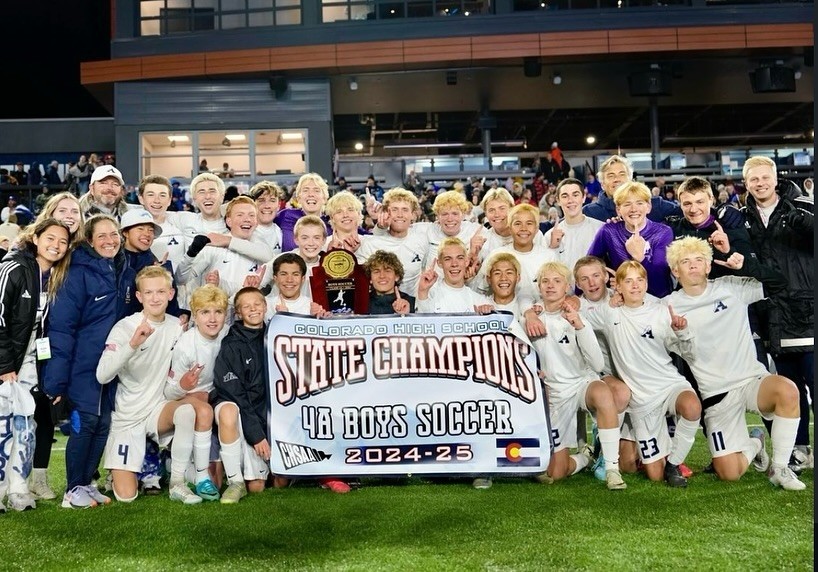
x: 416, y: 258
x: 173, y: 241
x: 564, y: 340
x: 719, y: 306
x: 648, y: 333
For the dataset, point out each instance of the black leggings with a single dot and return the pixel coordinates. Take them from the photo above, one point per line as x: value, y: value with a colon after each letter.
x: 44, y: 435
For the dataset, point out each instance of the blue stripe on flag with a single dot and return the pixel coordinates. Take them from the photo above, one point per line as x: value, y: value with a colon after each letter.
x: 522, y: 442
x: 523, y: 462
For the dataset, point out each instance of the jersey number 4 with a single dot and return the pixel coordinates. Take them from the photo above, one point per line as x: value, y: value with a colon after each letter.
x: 122, y: 451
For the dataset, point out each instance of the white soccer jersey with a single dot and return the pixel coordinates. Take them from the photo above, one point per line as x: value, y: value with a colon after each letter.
x: 233, y: 268
x: 270, y: 235
x: 601, y: 337
x: 444, y: 299
x: 640, y: 339
x: 412, y: 251
x: 142, y: 372
x: 530, y: 262
x: 301, y: 305
x: 717, y: 319
x: 192, y: 349
x: 516, y: 326
x: 568, y: 357
x: 191, y: 224
x: 170, y: 242
x: 575, y: 242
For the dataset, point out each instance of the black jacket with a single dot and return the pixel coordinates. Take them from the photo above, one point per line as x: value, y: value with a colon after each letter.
x: 382, y: 303
x: 19, y: 296
x: 239, y: 376
x: 786, y: 244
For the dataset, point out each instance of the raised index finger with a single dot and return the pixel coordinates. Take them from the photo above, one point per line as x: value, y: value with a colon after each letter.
x: 397, y: 293
x: 670, y: 309
x: 718, y: 226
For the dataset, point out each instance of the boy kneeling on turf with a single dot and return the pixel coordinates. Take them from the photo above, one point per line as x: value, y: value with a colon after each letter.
x: 241, y: 398
x: 139, y: 350
x: 191, y: 378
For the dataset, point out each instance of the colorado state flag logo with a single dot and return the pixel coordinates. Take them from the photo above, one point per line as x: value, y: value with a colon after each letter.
x: 524, y: 452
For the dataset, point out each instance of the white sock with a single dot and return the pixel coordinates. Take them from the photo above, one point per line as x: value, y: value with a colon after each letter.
x: 201, y: 454
x: 582, y: 460
x: 231, y: 460
x: 682, y: 440
x: 782, y: 436
x: 609, y: 440
x: 184, y: 420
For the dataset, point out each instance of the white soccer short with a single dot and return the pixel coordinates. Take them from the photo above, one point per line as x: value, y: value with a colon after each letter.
x: 726, y: 422
x: 563, y: 413
x: 650, y: 428
x: 125, y: 447
x: 253, y: 467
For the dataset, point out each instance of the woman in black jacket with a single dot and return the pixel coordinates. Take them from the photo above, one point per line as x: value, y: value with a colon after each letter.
x: 30, y: 274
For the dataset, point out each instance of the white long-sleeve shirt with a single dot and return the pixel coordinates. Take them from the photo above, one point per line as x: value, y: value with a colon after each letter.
x: 412, y: 251
x: 568, y: 357
x: 717, y: 319
x: 640, y: 339
x: 193, y: 348
x: 233, y: 268
x: 142, y: 372
x: 575, y: 242
x: 445, y: 299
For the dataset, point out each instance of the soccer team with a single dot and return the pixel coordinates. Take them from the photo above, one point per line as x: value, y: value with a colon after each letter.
x: 655, y: 320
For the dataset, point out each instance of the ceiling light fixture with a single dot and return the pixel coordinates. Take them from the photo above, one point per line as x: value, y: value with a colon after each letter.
x: 557, y: 78
x: 235, y: 137
x: 177, y: 138
x: 292, y: 136
x: 590, y: 140
x: 353, y: 84
x: 359, y: 146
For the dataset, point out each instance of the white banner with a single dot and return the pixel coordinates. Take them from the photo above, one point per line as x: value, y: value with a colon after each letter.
x: 389, y: 395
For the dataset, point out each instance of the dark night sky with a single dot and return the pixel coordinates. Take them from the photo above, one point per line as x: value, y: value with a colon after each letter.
x: 42, y: 43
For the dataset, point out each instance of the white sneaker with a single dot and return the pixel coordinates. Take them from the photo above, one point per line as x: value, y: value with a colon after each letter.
x: 782, y: 477
x: 761, y: 462
x: 482, y: 483
x: 613, y: 479
x: 182, y: 492
x: 21, y: 502
x: 38, y: 485
x: 234, y: 493
x: 95, y: 494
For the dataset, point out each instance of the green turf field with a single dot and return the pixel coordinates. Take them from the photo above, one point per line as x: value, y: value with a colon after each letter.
x: 516, y: 525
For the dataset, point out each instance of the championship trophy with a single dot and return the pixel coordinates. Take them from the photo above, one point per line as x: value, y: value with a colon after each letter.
x: 339, y: 284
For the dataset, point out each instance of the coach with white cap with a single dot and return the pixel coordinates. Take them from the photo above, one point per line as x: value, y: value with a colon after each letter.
x: 106, y: 194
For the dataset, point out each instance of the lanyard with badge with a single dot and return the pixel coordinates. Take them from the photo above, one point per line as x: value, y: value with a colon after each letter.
x: 42, y: 344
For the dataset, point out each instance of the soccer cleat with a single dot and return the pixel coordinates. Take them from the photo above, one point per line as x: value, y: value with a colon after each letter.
x: 709, y: 470
x: 482, y: 483
x: 686, y: 471
x: 108, y: 487
x: 21, y: 502
x: 761, y: 462
x: 614, y: 480
x: 335, y: 486
x: 182, y: 493
x: 234, y: 493
x: 2, y: 507
x: 207, y: 490
x: 38, y: 485
x: 801, y: 459
x: 544, y: 478
x: 673, y: 476
x: 94, y: 493
x: 78, y: 497
x: 599, y: 468
x: 784, y: 477
x: 151, y: 485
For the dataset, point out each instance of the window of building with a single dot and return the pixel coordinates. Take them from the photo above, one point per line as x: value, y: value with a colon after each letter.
x: 166, y: 17
x: 343, y: 10
x: 250, y: 155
